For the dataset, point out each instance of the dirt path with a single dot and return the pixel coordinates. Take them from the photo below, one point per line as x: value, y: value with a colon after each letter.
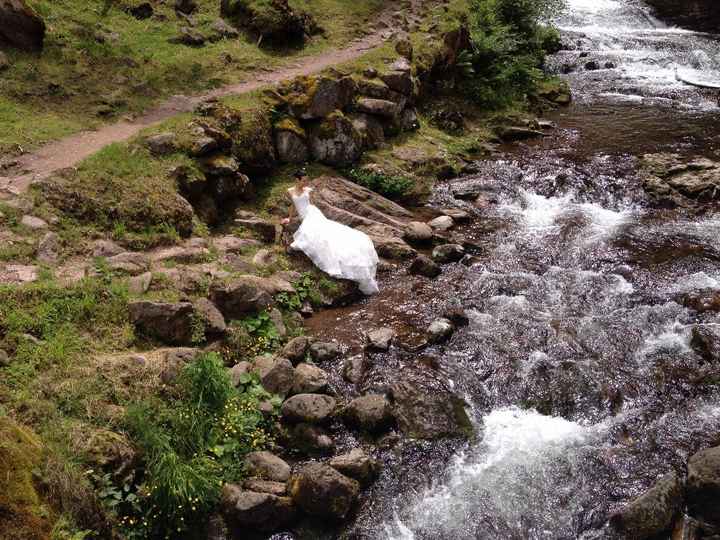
x: 71, y: 150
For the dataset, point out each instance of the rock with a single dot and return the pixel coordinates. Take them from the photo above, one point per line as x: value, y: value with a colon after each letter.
x: 370, y: 128
x: 21, y: 26
x: 243, y: 509
x: 703, y: 486
x: 222, y: 30
x: 428, y: 413
x: 4, y: 358
x: 220, y: 165
x: 323, y: 352
x: 378, y: 107
x: 138, y: 285
x: 670, y: 178
x: 162, y: 144
x: 592, y: 65
x: 457, y: 316
x: 34, y: 223
x: 404, y: 47
x: 106, y: 248
x: 190, y: 37
x: 310, y: 408
x: 267, y: 466
x: 274, y: 21
x: 356, y: 464
x: 335, y: 141
x: 354, y: 369
x: 705, y: 341
x: 323, y: 492
x: 170, y: 323
x: 309, y: 379
x: 291, y: 142
x: 212, y: 319
x: 319, y: 97
x: 49, y: 248
x: 265, y: 486
x: 458, y: 216
x: 277, y: 375
x: 310, y: 439
x: 233, y: 244
x: 440, y: 331
x: 239, y: 297
x: 418, y: 233
x: 4, y: 61
x: 141, y: 11
x: 424, y: 266
x: 409, y: 120
x: 517, y: 133
x: 129, y: 262
x: 264, y: 257
x: 653, y: 513
x: 448, y: 253
x: 188, y: 7
x: 392, y: 248
x: 442, y: 223
x: 379, y: 339
x: 266, y: 230
x: 296, y: 349
x: 202, y: 145
x: 371, y: 413
x: 400, y: 78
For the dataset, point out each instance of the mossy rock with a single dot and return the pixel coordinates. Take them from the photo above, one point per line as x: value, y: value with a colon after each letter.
x: 274, y: 20
x: 253, y: 143
x: 22, y: 514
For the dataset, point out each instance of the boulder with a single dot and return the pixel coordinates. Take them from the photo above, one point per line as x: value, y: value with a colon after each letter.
x: 21, y: 26
x: 129, y: 262
x: 440, y: 330
x: 263, y: 511
x: 277, y: 375
x: 668, y: 178
x: 291, y: 142
x: 335, y: 141
x: 317, y: 97
x: 379, y: 339
x: 323, y: 352
x: 428, y: 413
x: 371, y: 413
x: 424, y: 266
x: 703, y: 486
x: 356, y: 464
x: 323, y: 492
x: 653, y: 513
x: 296, y: 349
x: 239, y: 297
x: 274, y: 21
x: 187, y: 7
x: 442, y: 223
x: 212, y: 319
x: 378, y: 107
x: 705, y: 341
x: 418, y: 233
x: 448, y: 253
x: 309, y: 379
x: 310, y: 439
x: 266, y: 230
x: 265, y: 486
x: 162, y: 144
x: 309, y: 408
x: 167, y: 322
x: 49, y: 248
x: 370, y: 128
x: 238, y: 371
x: 267, y: 466
x: 400, y: 79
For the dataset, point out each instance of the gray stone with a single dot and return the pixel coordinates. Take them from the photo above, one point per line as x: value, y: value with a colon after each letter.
x: 140, y: 284
x: 354, y: 369
x: 239, y: 297
x: 291, y: 147
x: 323, y: 352
x: 335, y: 141
x: 296, y: 349
x: 323, y: 492
x: 266, y: 230
x: 222, y: 30
x: 277, y: 375
x: 371, y: 413
x: 310, y: 408
x: 442, y: 223
x: 162, y: 143
x: 129, y: 262
x: 448, y: 253
x: 426, y: 413
x: 356, y: 464
x: 238, y: 371
x: 418, y: 233
x: 310, y: 439
x: 265, y: 486
x: 48, y: 249
x: 168, y: 322
x: 211, y: 317
x: 440, y: 330
x: 379, y: 339
x: 424, y: 266
x: 309, y: 379
x: 34, y: 223
x: 703, y: 486
x: 267, y: 466
x: 378, y: 107
x: 106, y: 248
x: 263, y: 511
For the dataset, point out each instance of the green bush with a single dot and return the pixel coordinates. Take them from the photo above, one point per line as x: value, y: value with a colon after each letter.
x: 387, y: 185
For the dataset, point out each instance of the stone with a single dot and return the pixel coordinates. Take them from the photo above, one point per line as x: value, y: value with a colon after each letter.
x: 276, y: 318
x: 354, y: 369
x: 106, y: 248
x: 291, y: 146
x: 335, y: 141
x: 188, y: 7
x: 267, y: 466
x: 240, y: 297
x: 138, y: 285
x: 392, y: 248
x: 404, y: 47
x: 670, y: 178
x: 356, y: 464
x: 323, y: 352
x: 34, y: 223
x: 277, y: 375
x: 323, y: 492
x: 371, y: 413
x: 400, y: 79
x: 238, y: 372
x: 162, y: 144
x: 212, y: 319
x: 379, y: 339
x: 170, y: 323
x: 4, y: 358
x: 424, y: 266
x: 703, y: 486
x: 418, y: 233
x: 592, y: 65
x: 653, y: 513
x: 20, y: 26
x: 440, y: 331
x: 296, y: 349
x: 263, y: 511
x: 189, y: 36
x: 310, y: 439
x: 428, y: 413
x: 49, y: 248
x: 705, y: 341
x: 275, y: 21
x: 265, y: 486
x: 141, y: 11
x: 309, y: 379
x: 129, y: 262
x: 409, y: 119
x: 458, y: 216
x: 222, y: 30
x: 233, y: 244
x: 310, y: 408
x: 378, y: 107
x: 265, y: 230
x: 220, y: 165
x: 448, y: 253
x: 319, y: 97
x: 4, y: 61
x: 518, y: 133
x: 370, y: 129
x: 442, y: 223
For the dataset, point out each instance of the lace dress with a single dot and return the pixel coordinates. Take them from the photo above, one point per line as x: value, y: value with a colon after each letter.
x: 336, y: 249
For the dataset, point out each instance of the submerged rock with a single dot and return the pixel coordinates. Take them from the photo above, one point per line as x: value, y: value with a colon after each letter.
x: 428, y: 413
x: 703, y: 486
x: 356, y: 464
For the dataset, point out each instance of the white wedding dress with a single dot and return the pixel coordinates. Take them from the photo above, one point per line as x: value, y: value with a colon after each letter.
x: 336, y: 249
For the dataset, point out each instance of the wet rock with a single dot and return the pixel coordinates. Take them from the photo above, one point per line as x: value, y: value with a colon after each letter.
x: 239, y: 297
x: 392, y: 248
x: 262, y: 511
x: 238, y: 372
x: 48, y: 249
x: 418, y: 233
x: 379, y: 339
x: 517, y: 133
x: 296, y: 349
x: 372, y: 413
x: 442, y: 223
x: 212, y: 319
x: 669, y: 178
x: 356, y: 464
x: 653, y: 513
x: 277, y: 375
x: 335, y: 141
x: 309, y: 379
x: 309, y: 408
x: 266, y: 230
x: 448, y: 253
x: 167, y: 322
x: 310, y: 439
x: 705, y: 340
x: 703, y: 486
x: 323, y: 352
x: 265, y: 486
x: 440, y: 331
x: 322, y: 491
x: 592, y: 65
x: 424, y: 266
x: 21, y: 26
x: 354, y: 369
x: 34, y: 223
x: 162, y: 144
x: 267, y: 466
x: 428, y: 414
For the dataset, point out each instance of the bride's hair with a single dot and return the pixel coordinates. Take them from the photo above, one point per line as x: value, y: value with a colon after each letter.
x: 301, y: 179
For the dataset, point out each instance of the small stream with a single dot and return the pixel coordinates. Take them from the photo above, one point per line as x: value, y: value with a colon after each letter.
x: 576, y: 365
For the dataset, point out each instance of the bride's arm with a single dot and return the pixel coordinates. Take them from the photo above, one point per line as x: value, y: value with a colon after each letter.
x: 291, y: 214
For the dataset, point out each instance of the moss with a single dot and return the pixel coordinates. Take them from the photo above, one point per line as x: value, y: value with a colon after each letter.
x: 290, y: 124
x: 22, y: 513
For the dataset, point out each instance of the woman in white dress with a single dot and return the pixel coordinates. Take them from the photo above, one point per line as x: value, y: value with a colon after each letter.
x: 336, y: 249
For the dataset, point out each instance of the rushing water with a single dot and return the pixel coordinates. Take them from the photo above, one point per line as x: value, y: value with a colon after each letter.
x: 576, y: 365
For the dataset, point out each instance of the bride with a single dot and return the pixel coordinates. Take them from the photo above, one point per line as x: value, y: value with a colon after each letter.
x: 336, y: 249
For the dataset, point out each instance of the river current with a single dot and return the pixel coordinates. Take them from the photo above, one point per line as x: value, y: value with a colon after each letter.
x: 577, y: 365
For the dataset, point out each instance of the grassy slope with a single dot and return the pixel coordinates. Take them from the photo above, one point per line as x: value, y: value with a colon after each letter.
x: 79, y: 82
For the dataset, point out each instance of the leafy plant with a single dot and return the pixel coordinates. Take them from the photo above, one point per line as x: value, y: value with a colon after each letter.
x: 387, y: 185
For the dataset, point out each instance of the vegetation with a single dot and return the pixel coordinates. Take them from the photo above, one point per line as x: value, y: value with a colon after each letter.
x: 388, y: 185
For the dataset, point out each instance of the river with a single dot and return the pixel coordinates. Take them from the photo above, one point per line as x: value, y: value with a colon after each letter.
x: 576, y: 365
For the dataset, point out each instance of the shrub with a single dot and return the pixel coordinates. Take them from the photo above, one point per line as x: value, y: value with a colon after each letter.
x: 387, y: 185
